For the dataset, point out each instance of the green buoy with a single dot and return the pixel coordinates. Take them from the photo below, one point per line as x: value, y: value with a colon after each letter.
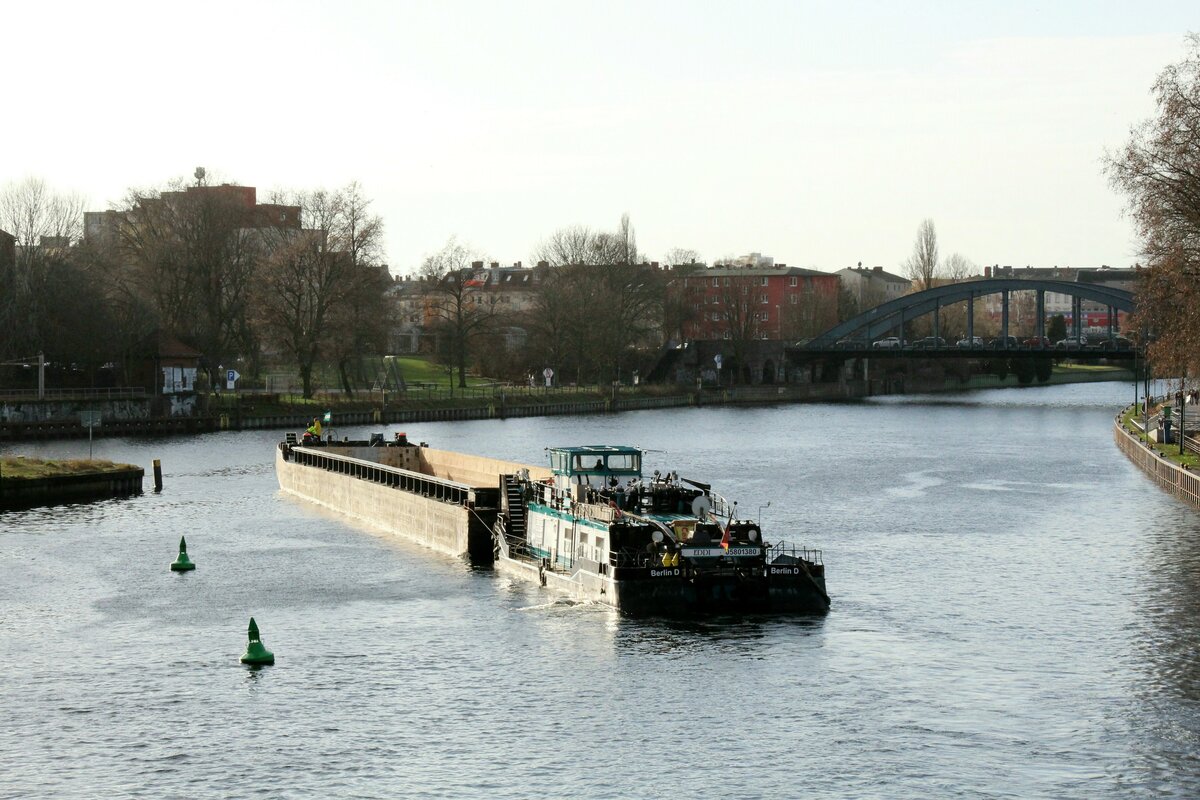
x: 256, y: 654
x: 183, y: 563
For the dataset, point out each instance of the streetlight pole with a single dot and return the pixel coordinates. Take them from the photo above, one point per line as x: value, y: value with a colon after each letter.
x: 1135, y: 380
x: 1182, y: 396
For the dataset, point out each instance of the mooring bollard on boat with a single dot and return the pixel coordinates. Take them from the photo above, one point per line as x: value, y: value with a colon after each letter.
x: 256, y: 654
x: 183, y: 563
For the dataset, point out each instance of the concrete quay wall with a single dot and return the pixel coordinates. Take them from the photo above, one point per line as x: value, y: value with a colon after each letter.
x: 29, y: 492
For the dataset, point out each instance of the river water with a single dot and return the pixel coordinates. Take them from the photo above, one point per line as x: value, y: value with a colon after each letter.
x: 1016, y: 612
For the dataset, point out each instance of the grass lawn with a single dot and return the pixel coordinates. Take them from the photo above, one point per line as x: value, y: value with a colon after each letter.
x: 419, y: 375
x: 1067, y: 368
x: 17, y: 467
x: 421, y: 370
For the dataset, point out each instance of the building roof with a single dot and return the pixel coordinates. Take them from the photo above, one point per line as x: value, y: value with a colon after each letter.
x: 170, y: 347
x: 1099, y: 275
x: 877, y: 273
x: 1107, y: 275
x: 779, y: 269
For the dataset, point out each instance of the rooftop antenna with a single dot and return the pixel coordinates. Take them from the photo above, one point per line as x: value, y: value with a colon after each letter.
x: 199, y: 176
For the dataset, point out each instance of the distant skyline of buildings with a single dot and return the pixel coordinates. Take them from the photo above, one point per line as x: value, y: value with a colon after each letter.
x: 749, y: 296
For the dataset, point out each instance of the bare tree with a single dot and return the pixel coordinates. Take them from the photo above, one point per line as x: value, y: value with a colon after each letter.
x: 955, y: 269
x: 570, y: 245
x: 958, y: 268
x: 921, y: 267
x: 456, y: 301
x: 1159, y: 171
x: 605, y: 305
x: 808, y: 313
x: 579, y: 244
x: 359, y: 322
x: 680, y: 256
x: 741, y: 315
x: 627, y: 308
x: 45, y: 225
x: 625, y: 243
x: 557, y: 328
x: 320, y: 289
x: 194, y: 252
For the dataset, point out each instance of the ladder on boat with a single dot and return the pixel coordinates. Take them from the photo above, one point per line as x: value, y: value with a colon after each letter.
x: 514, y: 502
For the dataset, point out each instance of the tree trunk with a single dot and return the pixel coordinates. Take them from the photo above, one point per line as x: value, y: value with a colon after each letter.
x: 306, y: 379
x: 461, y: 359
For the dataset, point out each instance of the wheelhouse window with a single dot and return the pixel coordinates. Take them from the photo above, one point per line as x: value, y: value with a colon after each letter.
x: 630, y: 462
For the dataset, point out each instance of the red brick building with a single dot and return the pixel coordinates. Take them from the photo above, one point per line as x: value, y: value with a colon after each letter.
x: 767, y: 302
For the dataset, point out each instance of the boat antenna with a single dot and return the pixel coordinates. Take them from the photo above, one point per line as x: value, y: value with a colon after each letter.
x: 760, y: 510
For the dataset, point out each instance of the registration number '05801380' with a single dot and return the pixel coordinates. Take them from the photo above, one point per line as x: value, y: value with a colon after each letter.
x: 714, y: 552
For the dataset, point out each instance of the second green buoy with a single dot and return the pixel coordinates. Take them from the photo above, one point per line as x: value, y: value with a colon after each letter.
x: 183, y: 563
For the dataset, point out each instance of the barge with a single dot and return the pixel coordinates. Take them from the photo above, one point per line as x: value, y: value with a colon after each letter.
x: 591, y: 527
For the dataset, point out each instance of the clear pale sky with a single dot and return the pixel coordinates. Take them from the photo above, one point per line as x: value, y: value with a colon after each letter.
x: 818, y: 133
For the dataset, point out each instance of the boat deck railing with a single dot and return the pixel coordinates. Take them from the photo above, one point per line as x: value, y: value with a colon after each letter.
x: 446, y: 491
x: 786, y: 550
x: 633, y: 557
x: 601, y: 513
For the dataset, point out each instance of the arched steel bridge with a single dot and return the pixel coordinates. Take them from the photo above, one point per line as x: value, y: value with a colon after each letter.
x: 893, y: 315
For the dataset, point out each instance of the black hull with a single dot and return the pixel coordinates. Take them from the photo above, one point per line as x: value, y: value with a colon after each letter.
x: 656, y: 594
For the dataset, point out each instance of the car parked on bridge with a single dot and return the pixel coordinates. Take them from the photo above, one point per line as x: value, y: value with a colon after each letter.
x: 887, y: 343
x: 967, y: 344
x: 1037, y: 343
x: 929, y: 343
x: 1116, y: 343
x: 850, y: 343
x: 1004, y: 343
x: 1071, y: 343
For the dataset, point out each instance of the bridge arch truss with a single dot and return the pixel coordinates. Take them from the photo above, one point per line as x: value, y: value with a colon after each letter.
x: 894, y: 314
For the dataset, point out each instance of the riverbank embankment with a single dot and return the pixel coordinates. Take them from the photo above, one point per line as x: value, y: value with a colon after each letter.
x: 255, y: 413
x: 1175, y: 478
